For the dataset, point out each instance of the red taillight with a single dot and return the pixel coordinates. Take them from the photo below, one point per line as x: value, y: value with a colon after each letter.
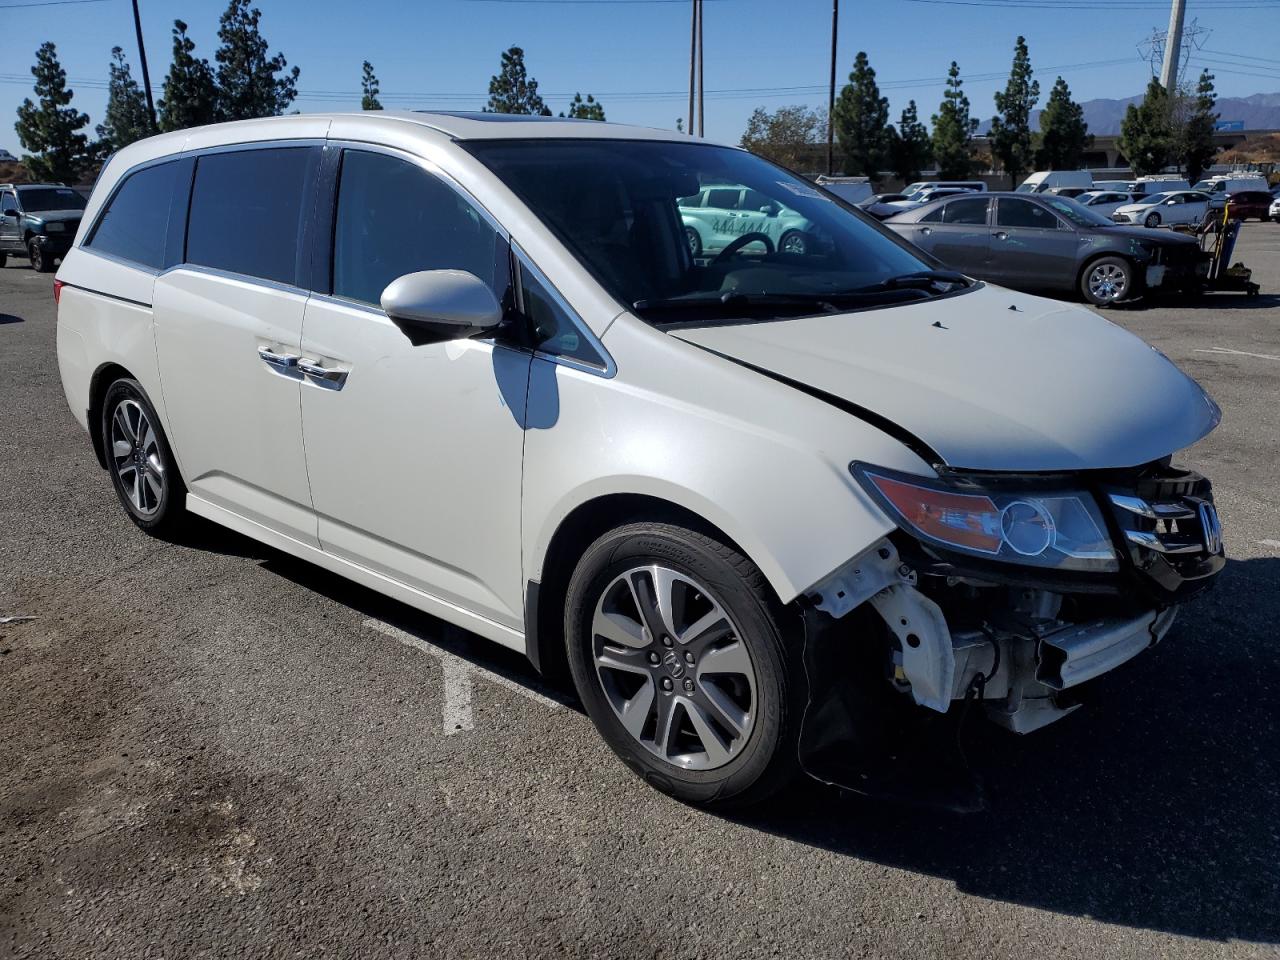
x: 57, y: 291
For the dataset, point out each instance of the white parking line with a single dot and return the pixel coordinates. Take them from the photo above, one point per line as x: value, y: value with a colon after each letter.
x: 1273, y: 544
x: 457, y: 674
x: 1238, y: 353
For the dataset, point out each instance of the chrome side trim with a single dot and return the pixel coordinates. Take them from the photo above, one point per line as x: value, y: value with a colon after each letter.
x: 1155, y: 511
x: 1152, y: 541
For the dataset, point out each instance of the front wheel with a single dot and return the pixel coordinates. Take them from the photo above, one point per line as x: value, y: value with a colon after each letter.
x: 1153, y: 220
x: 141, y: 464
x: 1106, y: 281
x: 694, y: 241
x: 680, y: 654
x: 794, y: 242
x: 41, y: 262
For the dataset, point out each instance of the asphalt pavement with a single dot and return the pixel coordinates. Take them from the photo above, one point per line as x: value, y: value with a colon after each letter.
x: 209, y: 749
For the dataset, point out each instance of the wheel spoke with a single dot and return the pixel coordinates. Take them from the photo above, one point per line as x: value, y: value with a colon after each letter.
x: 626, y: 660
x: 121, y: 448
x: 707, y: 630
x: 635, y: 712
x: 644, y: 591
x: 122, y: 421
x: 713, y: 744
x: 665, y: 729
x: 618, y: 628
x: 732, y: 658
x: 148, y: 435
x: 137, y: 490
x: 153, y: 484
x: 723, y: 710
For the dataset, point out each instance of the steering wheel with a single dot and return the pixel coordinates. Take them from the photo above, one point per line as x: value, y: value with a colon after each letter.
x: 739, y: 242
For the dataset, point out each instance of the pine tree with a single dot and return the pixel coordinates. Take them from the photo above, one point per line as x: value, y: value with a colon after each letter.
x: 369, y: 88
x: 909, y: 149
x: 862, y: 122
x: 513, y: 90
x: 1198, y: 149
x: 1146, y: 133
x: 1064, y: 136
x: 50, y: 129
x: 588, y: 109
x: 248, y: 85
x: 127, y: 118
x: 1011, y: 131
x: 953, y: 130
x: 189, y: 95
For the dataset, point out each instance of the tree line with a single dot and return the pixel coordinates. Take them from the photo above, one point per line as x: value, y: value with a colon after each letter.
x: 1165, y: 129
x: 244, y: 82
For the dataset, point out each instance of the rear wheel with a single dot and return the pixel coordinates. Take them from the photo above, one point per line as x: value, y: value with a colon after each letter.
x: 1107, y: 280
x: 694, y: 241
x: 679, y: 652
x: 4, y: 258
x: 794, y: 242
x: 139, y: 459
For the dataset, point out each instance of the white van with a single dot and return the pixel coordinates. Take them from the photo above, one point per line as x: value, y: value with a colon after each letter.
x: 1144, y: 186
x: 468, y: 361
x: 1047, y: 179
x: 921, y: 185
x: 1222, y: 186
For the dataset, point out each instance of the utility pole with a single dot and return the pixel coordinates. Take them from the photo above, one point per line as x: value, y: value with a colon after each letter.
x: 831, y: 93
x: 142, y: 55
x: 693, y: 61
x: 702, y: 110
x: 1173, y: 46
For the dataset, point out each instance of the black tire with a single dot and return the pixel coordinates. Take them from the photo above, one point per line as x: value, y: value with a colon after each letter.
x: 695, y: 242
x: 41, y: 262
x: 4, y: 260
x: 169, y: 512
x: 1152, y: 220
x: 1107, y: 265
x: 766, y: 760
x: 794, y: 242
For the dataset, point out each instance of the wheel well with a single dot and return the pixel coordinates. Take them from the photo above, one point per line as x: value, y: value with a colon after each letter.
x: 103, y: 377
x: 544, y: 602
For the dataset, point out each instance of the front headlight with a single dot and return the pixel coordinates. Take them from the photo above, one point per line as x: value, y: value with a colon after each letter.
x: 1059, y: 529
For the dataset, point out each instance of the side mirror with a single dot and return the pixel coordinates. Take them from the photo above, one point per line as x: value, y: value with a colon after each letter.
x: 11, y: 212
x: 434, y: 305
x: 1170, y: 203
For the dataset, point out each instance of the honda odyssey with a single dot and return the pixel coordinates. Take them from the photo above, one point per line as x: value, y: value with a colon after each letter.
x: 761, y: 506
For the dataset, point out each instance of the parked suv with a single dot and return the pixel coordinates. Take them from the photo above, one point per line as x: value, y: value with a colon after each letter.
x: 38, y: 220
x: 763, y: 510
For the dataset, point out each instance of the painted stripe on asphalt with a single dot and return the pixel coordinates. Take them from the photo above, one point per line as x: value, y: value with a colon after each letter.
x: 457, y: 674
x: 1238, y: 353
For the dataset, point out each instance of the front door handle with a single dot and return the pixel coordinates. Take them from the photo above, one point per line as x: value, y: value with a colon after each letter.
x: 1000, y: 235
x: 331, y: 377
x: 281, y: 362
x: 926, y: 230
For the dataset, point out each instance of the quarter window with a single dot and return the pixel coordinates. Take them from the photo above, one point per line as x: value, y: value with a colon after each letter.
x: 972, y: 211
x: 247, y: 211
x: 1024, y: 213
x: 554, y: 331
x: 134, y: 226
x: 395, y: 218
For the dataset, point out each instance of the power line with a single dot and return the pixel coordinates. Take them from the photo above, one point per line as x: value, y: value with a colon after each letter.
x: 1132, y: 5
x: 46, y: 3
x: 1240, y: 56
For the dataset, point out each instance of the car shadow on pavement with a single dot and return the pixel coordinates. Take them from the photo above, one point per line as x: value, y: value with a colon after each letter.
x: 1231, y: 300
x: 9, y: 318
x: 1155, y: 806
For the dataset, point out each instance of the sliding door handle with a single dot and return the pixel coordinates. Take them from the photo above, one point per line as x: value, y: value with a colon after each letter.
x: 280, y: 361
x: 332, y: 377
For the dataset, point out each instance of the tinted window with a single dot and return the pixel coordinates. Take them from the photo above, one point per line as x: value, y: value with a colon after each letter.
x: 246, y: 211
x: 971, y: 210
x: 38, y: 199
x: 724, y: 199
x: 554, y: 330
x: 135, y: 223
x: 8, y: 201
x: 395, y: 218
x: 1024, y: 213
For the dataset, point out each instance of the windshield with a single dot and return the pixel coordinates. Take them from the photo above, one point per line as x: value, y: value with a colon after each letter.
x: 37, y: 199
x: 664, y: 226
x: 1028, y: 188
x: 1081, y: 216
x: 1150, y: 199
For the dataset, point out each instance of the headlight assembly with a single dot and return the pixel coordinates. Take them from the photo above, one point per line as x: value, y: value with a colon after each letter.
x: 1059, y: 529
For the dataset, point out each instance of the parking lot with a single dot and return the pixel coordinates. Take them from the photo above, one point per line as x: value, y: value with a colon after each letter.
x: 212, y: 749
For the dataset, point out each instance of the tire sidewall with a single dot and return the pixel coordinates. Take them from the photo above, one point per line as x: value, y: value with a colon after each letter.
x: 771, y: 741
x: 172, y: 499
x: 1151, y: 221
x: 1092, y: 265
x: 37, y: 257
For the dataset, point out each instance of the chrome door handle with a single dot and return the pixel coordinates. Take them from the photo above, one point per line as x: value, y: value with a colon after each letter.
x: 332, y: 377
x: 1000, y: 235
x: 281, y: 361
x: 926, y: 230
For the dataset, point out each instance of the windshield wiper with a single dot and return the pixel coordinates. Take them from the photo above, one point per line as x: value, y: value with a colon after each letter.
x: 731, y: 302
x: 919, y: 280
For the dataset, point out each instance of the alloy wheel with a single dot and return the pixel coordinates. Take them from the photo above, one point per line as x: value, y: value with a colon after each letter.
x: 674, y: 668
x: 135, y: 456
x: 1108, y: 282
x: 795, y: 243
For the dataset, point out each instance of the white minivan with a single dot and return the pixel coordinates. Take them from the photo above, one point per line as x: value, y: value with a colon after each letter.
x: 766, y: 508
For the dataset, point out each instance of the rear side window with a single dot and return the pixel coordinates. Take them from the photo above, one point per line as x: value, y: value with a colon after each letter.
x: 134, y: 226
x: 1024, y: 213
x: 395, y: 218
x: 971, y: 211
x: 247, y: 210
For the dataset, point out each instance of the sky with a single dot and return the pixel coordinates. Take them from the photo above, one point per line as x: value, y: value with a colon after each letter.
x: 633, y: 55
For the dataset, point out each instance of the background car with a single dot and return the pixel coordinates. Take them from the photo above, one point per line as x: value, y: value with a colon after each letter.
x: 38, y: 220
x: 1104, y: 202
x: 719, y: 214
x: 1275, y: 210
x: 879, y: 198
x: 1248, y: 204
x: 910, y: 201
x: 1037, y: 241
x: 1165, y: 209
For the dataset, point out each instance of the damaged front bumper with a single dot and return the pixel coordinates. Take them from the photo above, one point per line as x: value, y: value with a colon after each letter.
x: 903, y: 632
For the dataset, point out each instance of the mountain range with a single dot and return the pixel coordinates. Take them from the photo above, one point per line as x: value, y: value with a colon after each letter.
x: 1260, y: 111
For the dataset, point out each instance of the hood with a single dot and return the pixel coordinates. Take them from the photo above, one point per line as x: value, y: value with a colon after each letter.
x: 1164, y: 238
x: 53, y: 216
x: 1043, y: 387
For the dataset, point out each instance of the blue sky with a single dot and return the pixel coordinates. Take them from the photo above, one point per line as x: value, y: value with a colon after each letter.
x: 634, y: 56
